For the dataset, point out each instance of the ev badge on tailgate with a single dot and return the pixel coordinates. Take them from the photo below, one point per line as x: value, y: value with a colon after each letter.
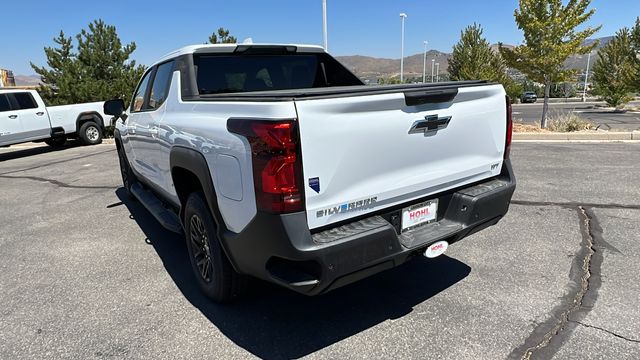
x: 314, y: 183
x: 430, y: 124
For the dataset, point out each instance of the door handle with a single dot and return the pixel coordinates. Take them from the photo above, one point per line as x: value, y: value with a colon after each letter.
x: 153, y: 131
x: 40, y: 113
x: 13, y: 116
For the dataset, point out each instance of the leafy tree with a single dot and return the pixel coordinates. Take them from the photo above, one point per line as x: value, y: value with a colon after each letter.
x: 99, y: 70
x: 550, y: 37
x: 473, y: 59
x: 222, y: 37
x: 563, y: 90
x: 614, y: 73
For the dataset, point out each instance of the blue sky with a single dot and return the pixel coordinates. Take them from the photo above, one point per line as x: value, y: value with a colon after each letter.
x: 355, y: 26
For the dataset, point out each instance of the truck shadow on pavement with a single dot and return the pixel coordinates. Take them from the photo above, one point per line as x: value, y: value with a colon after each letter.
x: 19, y: 153
x: 271, y: 322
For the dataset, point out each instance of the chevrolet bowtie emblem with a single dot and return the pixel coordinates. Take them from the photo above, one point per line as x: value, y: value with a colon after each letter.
x: 430, y: 124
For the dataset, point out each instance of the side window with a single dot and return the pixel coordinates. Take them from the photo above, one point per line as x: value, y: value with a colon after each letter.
x: 160, y: 87
x: 4, y: 103
x: 24, y: 101
x: 138, y: 98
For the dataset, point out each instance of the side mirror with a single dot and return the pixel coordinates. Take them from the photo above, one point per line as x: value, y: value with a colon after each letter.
x: 114, y: 107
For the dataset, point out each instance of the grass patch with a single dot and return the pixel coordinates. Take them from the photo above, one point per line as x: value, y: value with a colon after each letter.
x: 569, y: 122
x: 520, y: 127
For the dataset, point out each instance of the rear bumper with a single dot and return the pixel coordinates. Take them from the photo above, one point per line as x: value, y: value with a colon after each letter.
x: 281, y: 249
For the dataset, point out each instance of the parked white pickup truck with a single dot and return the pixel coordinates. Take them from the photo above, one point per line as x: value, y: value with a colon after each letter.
x: 277, y: 162
x: 24, y: 117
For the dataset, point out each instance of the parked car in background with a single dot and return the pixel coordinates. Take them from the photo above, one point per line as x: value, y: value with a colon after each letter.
x: 529, y: 97
x: 277, y: 162
x: 24, y: 117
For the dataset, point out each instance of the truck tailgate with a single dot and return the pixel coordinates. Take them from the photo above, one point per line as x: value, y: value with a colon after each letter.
x: 364, y: 153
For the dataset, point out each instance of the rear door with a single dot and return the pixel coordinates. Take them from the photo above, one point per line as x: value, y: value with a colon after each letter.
x: 136, y: 126
x: 364, y: 153
x: 152, y: 151
x: 32, y: 114
x: 10, y: 127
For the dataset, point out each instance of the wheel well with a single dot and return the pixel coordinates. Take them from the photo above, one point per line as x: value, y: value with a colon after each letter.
x: 91, y: 116
x: 185, y: 183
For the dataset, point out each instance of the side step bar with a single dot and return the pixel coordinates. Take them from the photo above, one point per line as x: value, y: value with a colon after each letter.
x: 166, y: 218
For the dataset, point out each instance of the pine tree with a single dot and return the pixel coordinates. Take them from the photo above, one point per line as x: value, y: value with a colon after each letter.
x: 615, y: 73
x: 550, y: 37
x: 635, y: 42
x: 473, y: 59
x: 222, y: 37
x: 101, y: 68
x: 59, y: 79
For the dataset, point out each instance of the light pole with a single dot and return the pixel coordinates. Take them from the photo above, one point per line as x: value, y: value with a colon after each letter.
x: 586, y: 79
x: 424, y: 64
x: 437, y: 72
x: 402, y: 17
x: 433, y: 66
x: 324, y: 26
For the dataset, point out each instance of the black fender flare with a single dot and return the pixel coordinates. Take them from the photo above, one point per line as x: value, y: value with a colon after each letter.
x: 193, y: 161
x: 89, y: 116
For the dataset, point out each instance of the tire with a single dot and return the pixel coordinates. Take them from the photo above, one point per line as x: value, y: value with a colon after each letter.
x: 128, y: 177
x: 90, y: 133
x: 56, y: 142
x: 215, y: 275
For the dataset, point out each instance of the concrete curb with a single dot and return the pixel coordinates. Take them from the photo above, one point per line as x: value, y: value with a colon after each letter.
x: 579, y: 136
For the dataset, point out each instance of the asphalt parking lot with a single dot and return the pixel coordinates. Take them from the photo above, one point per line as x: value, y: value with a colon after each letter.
x: 592, y: 112
x: 86, y: 273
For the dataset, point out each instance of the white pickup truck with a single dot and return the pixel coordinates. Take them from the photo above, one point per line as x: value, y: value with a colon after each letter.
x: 277, y: 162
x: 24, y: 117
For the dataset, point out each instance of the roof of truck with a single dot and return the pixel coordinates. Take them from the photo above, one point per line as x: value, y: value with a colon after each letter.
x: 229, y: 48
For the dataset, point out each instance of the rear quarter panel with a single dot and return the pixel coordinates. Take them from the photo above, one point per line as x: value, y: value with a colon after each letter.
x: 202, y: 126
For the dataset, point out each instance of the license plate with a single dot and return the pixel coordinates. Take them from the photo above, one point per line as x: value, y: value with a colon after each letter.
x: 419, y: 214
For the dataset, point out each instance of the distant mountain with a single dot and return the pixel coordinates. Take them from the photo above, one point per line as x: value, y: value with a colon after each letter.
x: 27, y: 80
x: 371, y: 68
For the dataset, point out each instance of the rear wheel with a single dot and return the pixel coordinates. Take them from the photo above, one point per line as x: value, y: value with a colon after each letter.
x: 215, y: 275
x: 90, y: 133
x: 56, y: 142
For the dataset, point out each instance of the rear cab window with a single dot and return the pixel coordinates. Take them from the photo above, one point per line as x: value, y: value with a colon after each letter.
x: 22, y: 101
x: 4, y: 103
x: 232, y: 73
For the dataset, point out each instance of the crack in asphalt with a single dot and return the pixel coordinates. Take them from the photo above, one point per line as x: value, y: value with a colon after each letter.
x: 549, y: 336
x: 607, y: 331
x: 573, y: 205
x: 60, y: 183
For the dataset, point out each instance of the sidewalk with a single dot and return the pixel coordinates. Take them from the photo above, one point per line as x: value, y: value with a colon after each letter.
x: 596, y: 136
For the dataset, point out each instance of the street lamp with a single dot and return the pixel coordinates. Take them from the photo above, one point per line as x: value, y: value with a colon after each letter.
x: 424, y: 64
x: 433, y: 66
x: 437, y: 72
x: 586, y: 79
x: 324, y: 26
x: 402, y: 17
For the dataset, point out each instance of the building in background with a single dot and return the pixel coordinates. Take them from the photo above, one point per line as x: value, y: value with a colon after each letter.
x: 6, y: 78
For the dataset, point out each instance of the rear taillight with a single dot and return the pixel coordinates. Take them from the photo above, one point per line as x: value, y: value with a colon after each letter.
x: 507, y: 146
x: 277, y: 165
